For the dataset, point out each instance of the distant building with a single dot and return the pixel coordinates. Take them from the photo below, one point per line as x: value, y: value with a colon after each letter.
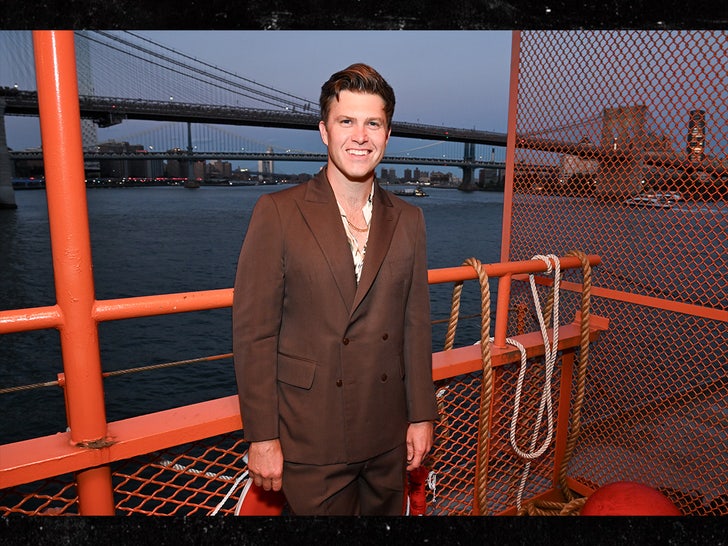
x: 199, y: 169
x: 388, y: 175
x: 571, y: 165
x: 491, y: 179
x: 122, y: 168
x: 219, y: 169
x: 441, y: 179
x: 265, y: 168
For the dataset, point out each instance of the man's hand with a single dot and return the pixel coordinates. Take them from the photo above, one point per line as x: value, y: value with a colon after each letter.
x: 265, y: 464
x: 419, y: 442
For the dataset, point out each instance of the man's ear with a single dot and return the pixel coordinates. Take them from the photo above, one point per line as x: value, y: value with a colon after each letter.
x: 324, y: 133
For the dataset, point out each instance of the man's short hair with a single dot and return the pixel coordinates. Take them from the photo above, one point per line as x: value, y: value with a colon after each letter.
x: 358, y: 78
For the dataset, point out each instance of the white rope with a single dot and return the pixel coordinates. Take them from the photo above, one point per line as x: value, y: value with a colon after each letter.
x: 432, y: 484
x: 189, y: 470
x: 550, y: 353
x: 242, y: 496
x: 232, y: 490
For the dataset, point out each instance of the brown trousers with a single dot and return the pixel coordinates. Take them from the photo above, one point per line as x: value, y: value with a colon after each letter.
x: 371, y: 488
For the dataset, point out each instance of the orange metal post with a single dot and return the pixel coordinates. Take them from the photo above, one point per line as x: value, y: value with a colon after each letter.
x: 501, y: 315
x: 510, y: 147
x: 71, y: 249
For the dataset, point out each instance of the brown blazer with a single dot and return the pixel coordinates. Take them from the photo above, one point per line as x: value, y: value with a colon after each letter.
x: 335, y: 370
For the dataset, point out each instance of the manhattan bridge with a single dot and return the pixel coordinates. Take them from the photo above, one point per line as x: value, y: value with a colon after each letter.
x: 199, y: 109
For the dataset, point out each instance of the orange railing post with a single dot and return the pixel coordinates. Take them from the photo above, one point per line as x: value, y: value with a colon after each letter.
x: 71, y: 249
x: 510, y: 147
x: 502, y: 310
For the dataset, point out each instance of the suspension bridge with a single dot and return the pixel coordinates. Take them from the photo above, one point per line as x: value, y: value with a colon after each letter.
x: 197, y: 109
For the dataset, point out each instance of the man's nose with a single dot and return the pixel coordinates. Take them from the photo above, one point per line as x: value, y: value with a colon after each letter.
x: 360, y: 134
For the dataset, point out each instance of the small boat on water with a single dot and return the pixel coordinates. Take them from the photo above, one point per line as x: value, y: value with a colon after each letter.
x: 418, y: 192
x: 649, y: 201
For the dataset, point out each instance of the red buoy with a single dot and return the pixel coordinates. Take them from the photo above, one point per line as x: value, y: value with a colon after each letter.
x: 256, y: 501
x: 628, y: 499
x: 415, y: 490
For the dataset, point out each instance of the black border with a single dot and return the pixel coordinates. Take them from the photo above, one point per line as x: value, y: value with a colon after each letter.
x: 440, y: 531
x: 364, y: 14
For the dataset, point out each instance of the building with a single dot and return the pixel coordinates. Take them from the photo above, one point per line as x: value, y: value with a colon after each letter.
x: 266, y: 168
x: 219, y: 169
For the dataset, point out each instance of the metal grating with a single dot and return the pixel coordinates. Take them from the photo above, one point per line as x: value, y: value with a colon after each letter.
x: 191, y: 479
x: 603, y: 117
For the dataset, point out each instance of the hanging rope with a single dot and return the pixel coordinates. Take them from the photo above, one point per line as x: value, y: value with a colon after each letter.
x: 573, y: 503
x: 232, y: 489
x: 486, y: 390
x: 550, y: 353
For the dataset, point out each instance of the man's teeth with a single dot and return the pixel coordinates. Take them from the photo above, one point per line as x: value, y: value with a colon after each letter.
x: 358, y: 152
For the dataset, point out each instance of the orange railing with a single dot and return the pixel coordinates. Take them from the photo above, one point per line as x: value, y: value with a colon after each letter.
x: 49, y: 456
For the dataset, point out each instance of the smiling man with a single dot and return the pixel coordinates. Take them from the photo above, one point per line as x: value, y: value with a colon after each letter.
x: 331, y: 322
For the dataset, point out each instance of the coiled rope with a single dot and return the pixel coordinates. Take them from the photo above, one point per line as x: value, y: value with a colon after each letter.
x: 550, y: 353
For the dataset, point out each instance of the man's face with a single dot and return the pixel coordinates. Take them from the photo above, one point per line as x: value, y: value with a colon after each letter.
x: 356, y: 135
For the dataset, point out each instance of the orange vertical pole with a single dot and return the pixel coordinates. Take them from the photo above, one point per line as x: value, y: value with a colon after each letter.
x: 510, y: 148
x: 563, y: 412
x: 71, y: 249
x: 501, y: 310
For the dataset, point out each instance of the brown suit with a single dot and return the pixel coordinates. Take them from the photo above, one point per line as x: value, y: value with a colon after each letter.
x: 335, y: 370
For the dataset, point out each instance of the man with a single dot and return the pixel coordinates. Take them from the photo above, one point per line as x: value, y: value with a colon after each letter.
x: 331, y: 322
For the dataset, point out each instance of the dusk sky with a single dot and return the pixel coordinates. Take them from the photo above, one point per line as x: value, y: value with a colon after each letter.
x: 455, y: 78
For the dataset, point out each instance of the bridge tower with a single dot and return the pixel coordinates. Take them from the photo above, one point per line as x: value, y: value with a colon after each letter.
x: 89, y: 135
x: 624, y: 141
x: 469, y: 155
x: 7, y: 195
x: 265, y: 168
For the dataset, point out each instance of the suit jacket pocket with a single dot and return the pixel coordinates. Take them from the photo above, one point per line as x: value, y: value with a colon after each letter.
x: 296, y: 371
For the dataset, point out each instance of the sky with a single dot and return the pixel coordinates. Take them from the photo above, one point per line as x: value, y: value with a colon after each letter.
x: 454, y: 78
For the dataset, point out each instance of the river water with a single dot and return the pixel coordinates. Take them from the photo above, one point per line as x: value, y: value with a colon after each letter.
x: 171, y: 239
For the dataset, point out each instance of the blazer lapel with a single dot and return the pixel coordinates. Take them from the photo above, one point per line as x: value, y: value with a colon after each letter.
x: 321, y: 213
x: 383, y: 223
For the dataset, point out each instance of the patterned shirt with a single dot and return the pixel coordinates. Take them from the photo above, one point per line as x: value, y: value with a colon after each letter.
x: 356, y: 252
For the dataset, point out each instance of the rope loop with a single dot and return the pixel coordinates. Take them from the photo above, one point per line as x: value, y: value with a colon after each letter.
x: 550, y: 354
x: 573, y: 503
x: 550, y: 314
x: 486, y: 390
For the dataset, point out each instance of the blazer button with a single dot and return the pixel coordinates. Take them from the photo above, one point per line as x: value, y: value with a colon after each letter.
x: 385, y: 337
x: 384, y: 377
x: 339, y: 382
x: 345, y: 341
